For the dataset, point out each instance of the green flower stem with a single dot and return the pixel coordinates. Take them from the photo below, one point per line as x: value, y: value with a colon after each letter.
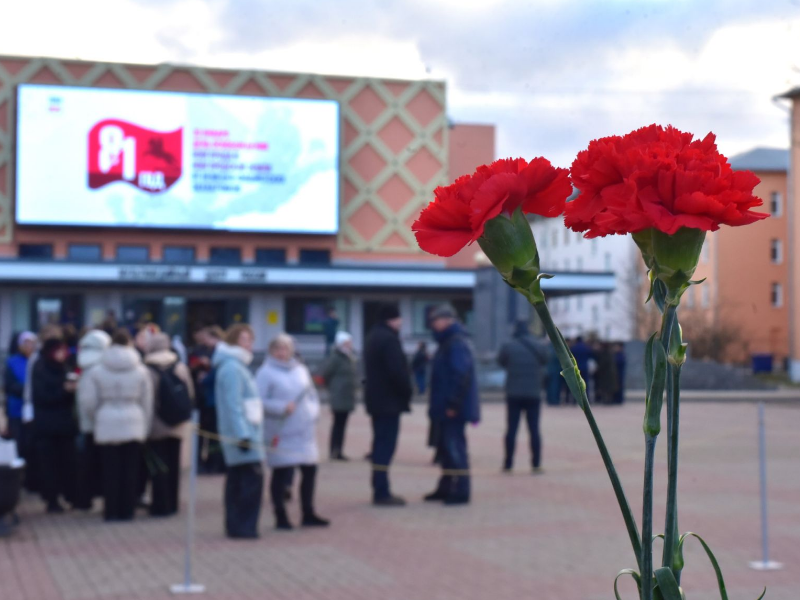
x: 671, y: 522
x: 647, y: 517
x: 667, y: 322
x: 567, y: 362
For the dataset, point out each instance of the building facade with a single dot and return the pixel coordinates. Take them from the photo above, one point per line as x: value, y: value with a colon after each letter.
x: 610, y: 315
x: 395, y: 148
x: 742, y: 307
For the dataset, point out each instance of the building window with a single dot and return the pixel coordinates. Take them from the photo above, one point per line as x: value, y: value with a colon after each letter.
x: 608, y: 261
x: 308, y: 315
x: 777, y: 295
x: 690, y: 297
x: 315, y: 257
x: 566, y: 303
x: 37, y: 251
x: 594, y: 246
x: 178, y: 254
x: 580, y: 263
x: 554, y: 236
x: 706, y: 251
x: 270, y: 256
x: 775, y: 204
x: 566, y: 237
x: 579, y: 302
x: 607, y: 300
x: 567, y: 264
x: 595, y: 315
x: 776, y: 252
x: 705, y: 296
x: 225, y: 256
x: 133, y: 254
x: 84, y: 252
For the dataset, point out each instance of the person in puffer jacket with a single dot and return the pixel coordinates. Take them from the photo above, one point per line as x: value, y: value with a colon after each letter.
x: 291, y: 407
x: 89, y: 484
x: 118, y: 400
x: 239, y: 419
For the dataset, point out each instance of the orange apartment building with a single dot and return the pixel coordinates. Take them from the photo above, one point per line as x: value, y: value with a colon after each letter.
x: 742, y: 308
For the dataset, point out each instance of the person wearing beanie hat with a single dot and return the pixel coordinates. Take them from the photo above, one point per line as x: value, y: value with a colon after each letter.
x: 88, y: 482
x: 340, y: 377
x: 453, y: 403
x: 387, y: 394
x: 164, y: 441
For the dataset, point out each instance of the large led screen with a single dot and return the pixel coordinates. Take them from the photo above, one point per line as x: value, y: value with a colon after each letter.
x: 96, y: 157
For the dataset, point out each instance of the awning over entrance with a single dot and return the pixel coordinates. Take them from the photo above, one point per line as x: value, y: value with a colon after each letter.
x: 32, y: 272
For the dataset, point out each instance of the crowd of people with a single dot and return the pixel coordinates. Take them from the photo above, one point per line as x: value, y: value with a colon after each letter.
x: 104, y: 414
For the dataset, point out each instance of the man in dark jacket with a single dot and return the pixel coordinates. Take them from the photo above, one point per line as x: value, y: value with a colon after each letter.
x: 387, y: 394
x: 453, y: 403
x: 523, y: 358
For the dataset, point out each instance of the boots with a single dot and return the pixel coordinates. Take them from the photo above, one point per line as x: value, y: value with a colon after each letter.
x: 282, y: 520
x: 311, y: 519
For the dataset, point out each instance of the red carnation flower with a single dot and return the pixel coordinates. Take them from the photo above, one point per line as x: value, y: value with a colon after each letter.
x: 658, y: 177
x: 459, y: 211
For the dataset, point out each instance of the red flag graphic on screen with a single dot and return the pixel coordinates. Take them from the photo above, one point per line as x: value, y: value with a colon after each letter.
x: 149, y: 160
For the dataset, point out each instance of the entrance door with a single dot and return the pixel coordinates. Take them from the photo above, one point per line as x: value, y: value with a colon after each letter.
x: 202, y: 313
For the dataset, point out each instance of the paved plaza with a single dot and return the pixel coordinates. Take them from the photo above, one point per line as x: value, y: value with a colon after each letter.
x: 554, y: 536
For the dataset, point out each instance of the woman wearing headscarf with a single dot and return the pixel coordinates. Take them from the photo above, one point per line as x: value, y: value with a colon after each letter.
x: 291, y: 407
x: 339, y: 375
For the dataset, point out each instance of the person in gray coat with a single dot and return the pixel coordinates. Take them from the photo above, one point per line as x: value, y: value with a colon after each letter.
x: 339, y: 375
x: 523, y: 358
x: 239, y: 417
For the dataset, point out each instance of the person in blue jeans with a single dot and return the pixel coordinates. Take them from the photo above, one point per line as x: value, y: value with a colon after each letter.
x: 453, y: 403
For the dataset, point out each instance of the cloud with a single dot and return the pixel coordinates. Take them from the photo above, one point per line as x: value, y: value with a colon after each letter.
x: 552, y: 74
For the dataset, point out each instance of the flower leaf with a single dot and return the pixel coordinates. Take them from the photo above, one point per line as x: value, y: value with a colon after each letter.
x: 655, y: 394
x: 667, y: 585
x: 636, y: 577
x: 723, y: 593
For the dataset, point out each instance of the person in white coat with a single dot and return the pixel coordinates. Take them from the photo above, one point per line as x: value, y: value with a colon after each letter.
x: 91, y: 348
x: 118, y: 399
x: 291, y: 409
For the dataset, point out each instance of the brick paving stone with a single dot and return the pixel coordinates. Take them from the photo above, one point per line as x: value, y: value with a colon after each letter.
x: 557, y: 535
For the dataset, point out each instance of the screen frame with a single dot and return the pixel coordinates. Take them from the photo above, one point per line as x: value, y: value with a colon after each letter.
x: 14, y: 172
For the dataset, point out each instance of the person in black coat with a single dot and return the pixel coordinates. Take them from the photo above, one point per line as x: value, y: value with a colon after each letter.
x: 55, y: 427
x: 387, y: 394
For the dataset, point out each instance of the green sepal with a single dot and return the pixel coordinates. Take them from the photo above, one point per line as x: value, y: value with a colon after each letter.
x: 636, y: 577
x: 667, y: 585
x: 509, y: 244
x: 657, y: 357
x: 672, y: 259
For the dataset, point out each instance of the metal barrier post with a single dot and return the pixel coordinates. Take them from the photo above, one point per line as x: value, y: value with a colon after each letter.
x: 187, y: 587
x: 765, y: 564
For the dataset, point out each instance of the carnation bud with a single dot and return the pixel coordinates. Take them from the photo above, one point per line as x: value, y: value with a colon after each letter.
x: 509, y: 244
x: 671, y: 259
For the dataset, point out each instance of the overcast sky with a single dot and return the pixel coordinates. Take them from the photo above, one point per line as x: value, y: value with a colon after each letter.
x: 551, y: 74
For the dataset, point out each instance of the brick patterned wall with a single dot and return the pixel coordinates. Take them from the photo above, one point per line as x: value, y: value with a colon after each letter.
x: 394, y: 135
